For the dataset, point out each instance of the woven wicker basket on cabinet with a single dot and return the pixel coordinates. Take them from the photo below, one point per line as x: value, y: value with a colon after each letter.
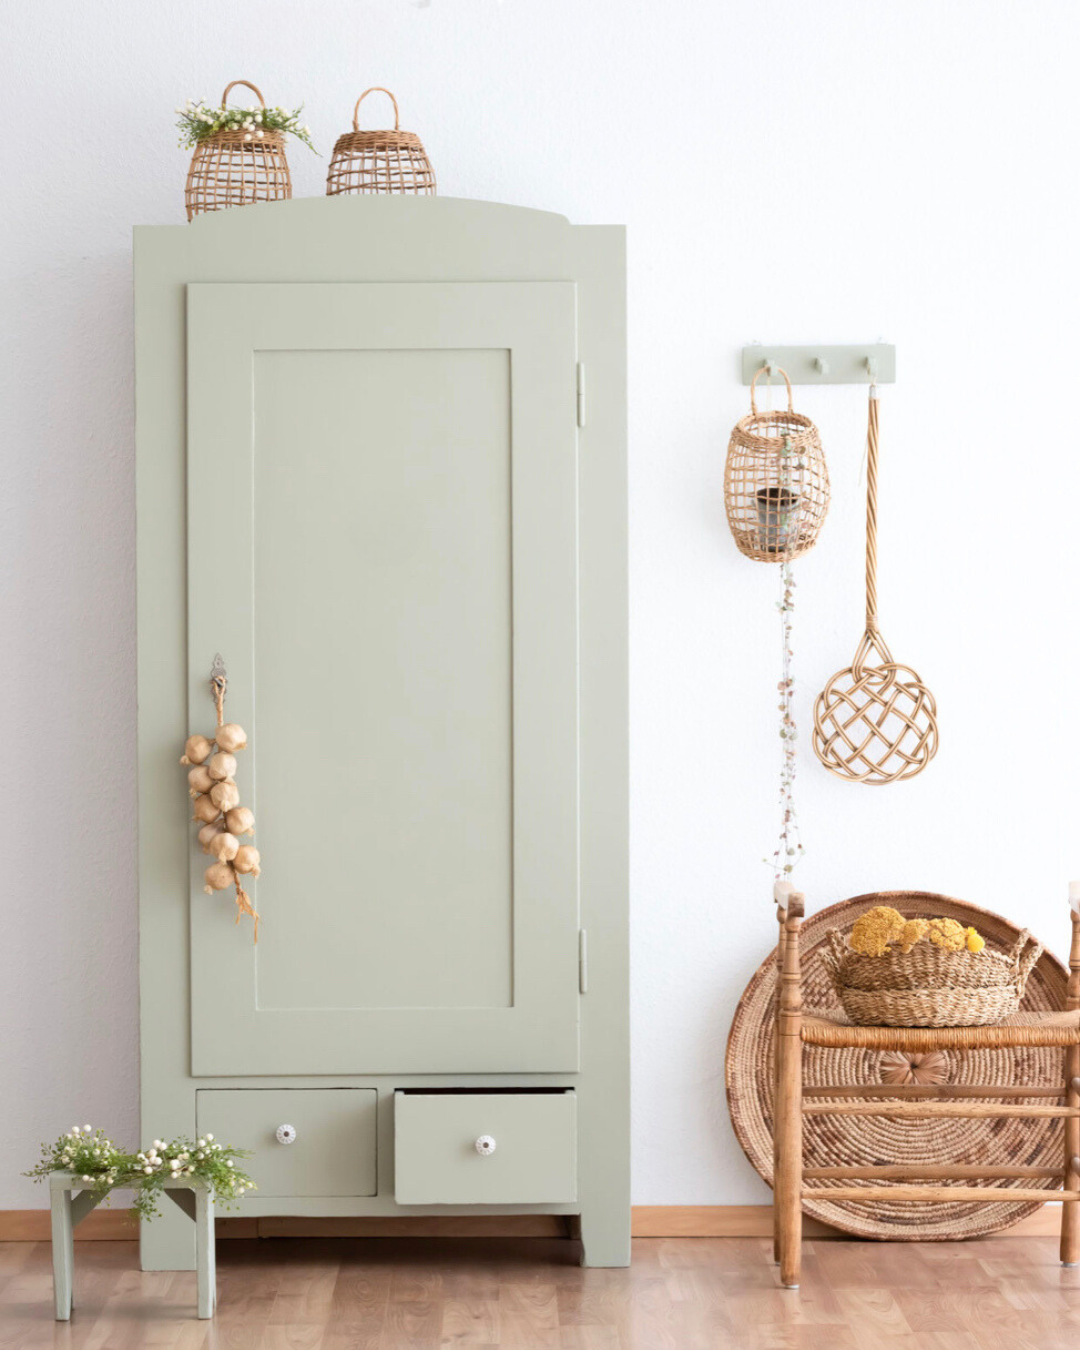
x: 231, y: 169
x: 380, y: 161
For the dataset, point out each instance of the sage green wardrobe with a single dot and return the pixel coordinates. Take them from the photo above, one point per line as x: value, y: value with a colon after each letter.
x: 381, y: 470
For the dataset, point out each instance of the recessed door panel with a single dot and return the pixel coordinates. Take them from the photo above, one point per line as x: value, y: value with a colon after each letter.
x: 383, y: 661
x: 382, y: 545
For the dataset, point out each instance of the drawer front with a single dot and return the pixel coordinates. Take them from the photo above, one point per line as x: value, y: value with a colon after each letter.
x: 437, y: 1160
x: 334, y: 1149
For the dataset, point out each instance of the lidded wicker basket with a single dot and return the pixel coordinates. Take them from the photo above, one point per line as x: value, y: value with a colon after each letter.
x: 929, y: 986
x: 776, y: 485
x: 379, y: 161
x: 231, y: 168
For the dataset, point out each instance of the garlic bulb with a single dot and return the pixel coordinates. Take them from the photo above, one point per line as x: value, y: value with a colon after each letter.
x: 196, y: 749
x: 224, y: 847
x: 205, y: 810
x: 199, y: 780
x: 222, y: 766
x: 208, y: 833
x: 230, y: 737
x: 225, y: 795
x: 240, y: 820
x: 218, y: 877
x: 247, y: 859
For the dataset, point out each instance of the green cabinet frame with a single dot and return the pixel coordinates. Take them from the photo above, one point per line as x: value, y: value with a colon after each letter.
x: 367, y: 241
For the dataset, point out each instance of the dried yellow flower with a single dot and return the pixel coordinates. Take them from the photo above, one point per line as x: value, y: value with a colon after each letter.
x: 949, y: 934
x: 874, y: 930
x: 913, y: 931
x: 975, y: 941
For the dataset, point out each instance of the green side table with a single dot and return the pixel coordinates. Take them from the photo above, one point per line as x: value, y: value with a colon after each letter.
x: 71, y: 1203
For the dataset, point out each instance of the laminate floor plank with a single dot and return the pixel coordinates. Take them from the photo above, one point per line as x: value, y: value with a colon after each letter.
x: 531, y: 1294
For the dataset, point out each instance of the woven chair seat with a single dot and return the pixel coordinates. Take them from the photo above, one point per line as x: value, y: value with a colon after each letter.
x: 830, y: 1027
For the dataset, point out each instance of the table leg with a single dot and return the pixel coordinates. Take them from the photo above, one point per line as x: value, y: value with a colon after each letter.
x: 63, y: 1252
x: 205, y: 1263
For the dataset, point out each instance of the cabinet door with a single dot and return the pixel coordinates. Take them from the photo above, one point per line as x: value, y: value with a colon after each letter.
x: 382, y: 546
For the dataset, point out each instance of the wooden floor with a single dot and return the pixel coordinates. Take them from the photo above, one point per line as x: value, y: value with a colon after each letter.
x: 682, y: 1293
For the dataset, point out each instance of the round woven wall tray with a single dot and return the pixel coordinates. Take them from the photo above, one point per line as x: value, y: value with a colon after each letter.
x: 867, y: 1141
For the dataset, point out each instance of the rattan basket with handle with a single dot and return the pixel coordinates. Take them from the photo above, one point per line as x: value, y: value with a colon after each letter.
x: 232, y: 168
x: 929, y: 986
x: 380, y: 161
x: 776, y: 485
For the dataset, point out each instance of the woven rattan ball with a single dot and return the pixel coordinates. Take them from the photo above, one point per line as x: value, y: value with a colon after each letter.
x: 379, y: 161
x: 228, y: 169
x: 776, y: 484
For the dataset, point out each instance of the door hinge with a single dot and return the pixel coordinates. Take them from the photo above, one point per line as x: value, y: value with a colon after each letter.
x: 582, y: 961
x: 581, y: 393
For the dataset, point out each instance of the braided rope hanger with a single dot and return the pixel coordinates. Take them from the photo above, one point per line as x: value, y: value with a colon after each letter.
x: 874, y: 723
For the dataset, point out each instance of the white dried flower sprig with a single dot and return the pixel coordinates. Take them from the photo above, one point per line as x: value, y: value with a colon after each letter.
x: 100, y: 1165
x: 198, y: 120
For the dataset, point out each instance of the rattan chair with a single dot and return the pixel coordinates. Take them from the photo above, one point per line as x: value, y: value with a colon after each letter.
x: 796, y: 1028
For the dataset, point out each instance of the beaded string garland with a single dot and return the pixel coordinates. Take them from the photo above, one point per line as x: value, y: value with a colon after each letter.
x: 789, y: 848
x: 216, y: 804
x: 776, y: 494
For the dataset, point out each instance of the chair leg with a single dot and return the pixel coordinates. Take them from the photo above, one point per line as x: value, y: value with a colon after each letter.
x: 787, y: 1198
x: 787, y: 1183
x: 1070, y: 1219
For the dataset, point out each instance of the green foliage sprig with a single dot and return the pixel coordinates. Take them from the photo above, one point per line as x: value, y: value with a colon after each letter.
x: 198, y: 121
x: 100, y: 1165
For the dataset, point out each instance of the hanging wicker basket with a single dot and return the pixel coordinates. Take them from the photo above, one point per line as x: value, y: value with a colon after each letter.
x: 379, y: 161
x: 233, y: 169
x: 929, y: 986
x: 776, y: 485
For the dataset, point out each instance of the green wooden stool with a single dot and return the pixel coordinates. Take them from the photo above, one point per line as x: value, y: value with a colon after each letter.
x: 71, y: 1203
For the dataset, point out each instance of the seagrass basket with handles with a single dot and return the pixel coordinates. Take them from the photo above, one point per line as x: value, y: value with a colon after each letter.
x: 380, y: 161
x: 929, y: 986
x: 235, y: 168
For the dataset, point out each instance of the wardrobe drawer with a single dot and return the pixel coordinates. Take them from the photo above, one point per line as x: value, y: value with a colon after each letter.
x: 484, y: 1148
x: 333, y: 1152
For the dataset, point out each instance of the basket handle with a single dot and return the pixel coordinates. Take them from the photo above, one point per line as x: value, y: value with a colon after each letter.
x: 375, y: 89
x: 832, y: 955
x: 757, y: 376
x: 1025, y: 963
x: 247, y: 85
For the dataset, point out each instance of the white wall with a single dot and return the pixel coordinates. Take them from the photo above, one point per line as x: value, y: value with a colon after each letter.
x: 802, y: 170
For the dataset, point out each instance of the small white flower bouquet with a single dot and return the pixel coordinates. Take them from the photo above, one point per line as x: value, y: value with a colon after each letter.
x: 198, y: 121
x: 100, y: 1165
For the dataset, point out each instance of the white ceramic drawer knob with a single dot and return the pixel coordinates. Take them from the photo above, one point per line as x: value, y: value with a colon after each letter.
x: 286, y: 1134
x: 485, y: 1145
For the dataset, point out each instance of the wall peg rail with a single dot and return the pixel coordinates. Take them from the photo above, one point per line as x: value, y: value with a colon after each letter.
x: 864, y: 363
